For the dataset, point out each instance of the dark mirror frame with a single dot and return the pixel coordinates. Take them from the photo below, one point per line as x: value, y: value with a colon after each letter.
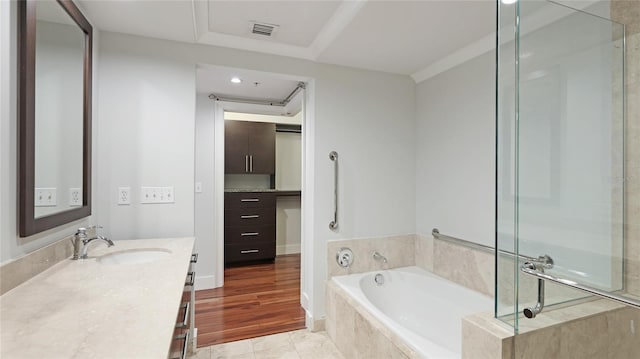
x: 27, y: 223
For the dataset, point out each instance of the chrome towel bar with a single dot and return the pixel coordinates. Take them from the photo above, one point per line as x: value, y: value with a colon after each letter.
x: 333, y: 156
x: 585, y: 288
x: 544, y: 260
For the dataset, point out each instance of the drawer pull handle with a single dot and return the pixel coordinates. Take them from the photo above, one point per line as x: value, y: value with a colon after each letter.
x: 250, y: 251
x: 249, y: 234
x: 194, y: 258
x: 183, y: 324
x: 250, y: 200
x: 250, y: 216
x: 192, y: 279
x: 185, y: 337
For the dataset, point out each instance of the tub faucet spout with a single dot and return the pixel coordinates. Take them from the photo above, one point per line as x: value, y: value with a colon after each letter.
x: 379, y: 257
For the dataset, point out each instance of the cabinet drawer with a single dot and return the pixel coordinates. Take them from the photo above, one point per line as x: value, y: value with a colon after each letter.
x: 249, y: 234
x: 249, y: 252
x: 250, y: 217
x: 249, y: 200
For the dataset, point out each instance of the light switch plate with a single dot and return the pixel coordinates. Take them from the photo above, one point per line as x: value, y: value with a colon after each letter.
x: 45, y: 197
x: 198, y: 187
x: 155, y: 195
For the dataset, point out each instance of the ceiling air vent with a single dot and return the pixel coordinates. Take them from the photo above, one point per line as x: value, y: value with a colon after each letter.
x: 260, y: 28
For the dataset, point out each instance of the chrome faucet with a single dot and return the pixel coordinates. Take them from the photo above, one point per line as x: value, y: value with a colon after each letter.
x: 81, y: 237
x: 87, y: 241
x: 379, y: 257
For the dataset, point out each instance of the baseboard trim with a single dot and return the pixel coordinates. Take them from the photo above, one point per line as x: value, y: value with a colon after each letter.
x: 288, y: 249
x: 205, y: 282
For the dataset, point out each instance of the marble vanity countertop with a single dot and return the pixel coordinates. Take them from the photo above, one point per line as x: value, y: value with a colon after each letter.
x: 87, y: 309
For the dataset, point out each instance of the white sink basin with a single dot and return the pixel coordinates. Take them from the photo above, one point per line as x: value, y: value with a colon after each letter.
x: 134, y: 256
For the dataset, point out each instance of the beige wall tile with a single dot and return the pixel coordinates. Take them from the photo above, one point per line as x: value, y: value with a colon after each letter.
x: 623, y: 331
x: 542, y: 343
x: 627, y: 12
x: 585, y: 338
x: 399, y: 251
x: 424, y: 252
x: 470, y: 268
x: 345, y: 327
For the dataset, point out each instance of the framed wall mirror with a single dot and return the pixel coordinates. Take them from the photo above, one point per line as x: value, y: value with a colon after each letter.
x: 54, y: 114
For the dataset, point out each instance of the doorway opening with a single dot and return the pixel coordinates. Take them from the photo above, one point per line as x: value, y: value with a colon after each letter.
x: 250, y: 150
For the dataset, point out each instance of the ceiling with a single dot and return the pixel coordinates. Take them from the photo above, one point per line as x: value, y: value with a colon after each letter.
x: 402, y: 37
x: 271, y: 87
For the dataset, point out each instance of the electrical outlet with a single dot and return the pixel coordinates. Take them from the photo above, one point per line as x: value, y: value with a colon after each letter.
x: 45, y: 197
x: 75, y: 197
x: 154, y: 195
x: 124, y: 196
x: 168, y: 194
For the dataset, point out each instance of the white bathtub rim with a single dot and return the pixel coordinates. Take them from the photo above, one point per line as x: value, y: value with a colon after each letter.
x: 398, y: 334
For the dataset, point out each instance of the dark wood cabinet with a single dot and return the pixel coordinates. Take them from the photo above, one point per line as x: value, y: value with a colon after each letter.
x: 249, y: 226
x: 249, y: 147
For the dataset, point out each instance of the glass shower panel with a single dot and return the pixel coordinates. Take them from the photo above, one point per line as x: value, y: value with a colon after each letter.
x: 506, y: 95
x: 560, y: 150
x: 570, y: 168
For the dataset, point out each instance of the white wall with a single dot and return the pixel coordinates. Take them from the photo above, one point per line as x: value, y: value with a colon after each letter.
x: 205, y: 200
x: 11, y: 245
x: 455, y: 142
x: 288, y: 225
x: 147, y: 129
x: 288, y: 161
x: 367, y: 117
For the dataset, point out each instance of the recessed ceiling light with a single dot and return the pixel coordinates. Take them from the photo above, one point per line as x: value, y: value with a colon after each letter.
x: 236, y: 80
x: 508, y: 2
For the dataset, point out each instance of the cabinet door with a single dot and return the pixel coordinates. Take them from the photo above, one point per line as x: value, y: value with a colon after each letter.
x: 236, y: 147
x: 262, y: 146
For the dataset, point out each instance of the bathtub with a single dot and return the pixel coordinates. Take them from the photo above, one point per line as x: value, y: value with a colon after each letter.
x: 422, y: 309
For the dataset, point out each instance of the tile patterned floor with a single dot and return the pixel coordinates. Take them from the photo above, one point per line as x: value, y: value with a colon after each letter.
x: 299, y: 344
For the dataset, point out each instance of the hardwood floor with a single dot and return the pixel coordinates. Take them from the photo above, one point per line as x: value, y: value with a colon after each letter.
x: 256, y: 300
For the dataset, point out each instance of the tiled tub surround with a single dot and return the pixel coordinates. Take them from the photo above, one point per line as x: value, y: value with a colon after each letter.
x: 399, y: 251
x: 86, y: 309
x: 468, y: 267
x: 417, y: 323
x: 596, y: 329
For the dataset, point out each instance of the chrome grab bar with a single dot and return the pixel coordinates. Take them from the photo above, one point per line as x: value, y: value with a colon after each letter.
x: 585, y: 288
x: 543, y: 260
x: 333, y: 156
